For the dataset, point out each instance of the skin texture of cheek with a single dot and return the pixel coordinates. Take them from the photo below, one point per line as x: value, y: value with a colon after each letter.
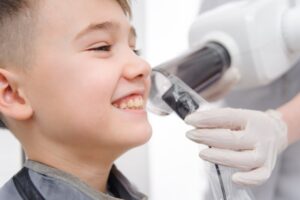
x: 66, y: 105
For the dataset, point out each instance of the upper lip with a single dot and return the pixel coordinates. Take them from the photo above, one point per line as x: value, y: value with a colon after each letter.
x: 132, y: 92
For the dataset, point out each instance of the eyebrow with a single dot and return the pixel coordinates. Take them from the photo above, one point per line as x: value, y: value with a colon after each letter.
x: 105, y: 26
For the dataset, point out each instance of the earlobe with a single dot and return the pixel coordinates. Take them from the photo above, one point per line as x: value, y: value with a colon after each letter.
x: 13, y: 103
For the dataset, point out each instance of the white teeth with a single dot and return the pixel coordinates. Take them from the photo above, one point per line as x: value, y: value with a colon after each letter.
x: 137, y: 102
x: 130, y: 103
x: 133, y: 103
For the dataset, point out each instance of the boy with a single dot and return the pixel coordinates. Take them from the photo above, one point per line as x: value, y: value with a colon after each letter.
x: 72, y: 91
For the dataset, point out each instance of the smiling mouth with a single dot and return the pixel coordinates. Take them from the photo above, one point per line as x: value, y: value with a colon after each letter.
x: 132, y: 102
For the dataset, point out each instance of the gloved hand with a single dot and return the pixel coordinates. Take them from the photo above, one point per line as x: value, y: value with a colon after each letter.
x: 222, y: 87
x: 245, y: 139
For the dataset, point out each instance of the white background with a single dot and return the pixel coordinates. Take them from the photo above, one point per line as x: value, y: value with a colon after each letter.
x: 168, y: 167
x: 10, y: 156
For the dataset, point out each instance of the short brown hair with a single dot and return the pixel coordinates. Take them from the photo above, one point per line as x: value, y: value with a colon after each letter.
x: 17, y: 28
x: 15, y: 31
x: 125, y: 5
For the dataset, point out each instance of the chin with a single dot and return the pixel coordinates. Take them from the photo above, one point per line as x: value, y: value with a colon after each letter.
x: 138, y: 135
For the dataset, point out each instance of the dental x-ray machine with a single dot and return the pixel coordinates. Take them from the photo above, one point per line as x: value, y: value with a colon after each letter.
x: 260, y: 38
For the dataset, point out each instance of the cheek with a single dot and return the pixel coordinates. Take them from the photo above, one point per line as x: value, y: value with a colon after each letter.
x: 77, y: 101
x: 80, y: 116
x: 90, y: 100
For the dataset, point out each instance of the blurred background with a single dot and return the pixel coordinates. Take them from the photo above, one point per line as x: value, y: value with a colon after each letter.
x: 168, y: 167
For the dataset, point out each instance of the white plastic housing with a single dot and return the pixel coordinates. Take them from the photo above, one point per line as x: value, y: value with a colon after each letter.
x: 260, y: 35
x: 291, y: 28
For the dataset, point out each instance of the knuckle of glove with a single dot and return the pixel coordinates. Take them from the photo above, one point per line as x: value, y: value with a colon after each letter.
x: 257, y: 159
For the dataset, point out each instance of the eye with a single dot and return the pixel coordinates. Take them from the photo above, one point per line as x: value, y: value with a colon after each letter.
x: 101, y: 48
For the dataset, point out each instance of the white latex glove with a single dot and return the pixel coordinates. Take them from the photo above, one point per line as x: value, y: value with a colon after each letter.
x: 223, y: 86
x: 245, y: 139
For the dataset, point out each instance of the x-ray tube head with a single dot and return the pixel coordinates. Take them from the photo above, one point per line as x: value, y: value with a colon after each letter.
x: 171, y: 94
x: 176, y: 84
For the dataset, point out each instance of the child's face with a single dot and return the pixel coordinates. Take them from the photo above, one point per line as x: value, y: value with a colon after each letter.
x: 84, y: 62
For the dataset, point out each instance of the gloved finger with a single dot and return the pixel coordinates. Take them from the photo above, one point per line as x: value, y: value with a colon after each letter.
x: 244, y: 160
x: 221, y: 138
x: 226, y: 118
x: 252, y: 178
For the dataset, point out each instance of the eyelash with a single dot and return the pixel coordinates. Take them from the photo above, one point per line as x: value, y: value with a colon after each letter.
x: 108, y: 48
x: 101, y: 48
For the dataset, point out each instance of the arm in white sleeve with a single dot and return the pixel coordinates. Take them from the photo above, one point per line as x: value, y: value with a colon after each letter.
x: 291, y: 115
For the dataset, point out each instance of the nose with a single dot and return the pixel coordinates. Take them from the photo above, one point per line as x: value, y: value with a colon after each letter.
x: 136, y: 67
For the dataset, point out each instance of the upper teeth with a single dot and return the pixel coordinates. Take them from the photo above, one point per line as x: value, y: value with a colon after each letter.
x: 136, y: 102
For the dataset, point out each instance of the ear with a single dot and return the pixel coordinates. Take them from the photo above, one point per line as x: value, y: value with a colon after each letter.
x: 13, y: 103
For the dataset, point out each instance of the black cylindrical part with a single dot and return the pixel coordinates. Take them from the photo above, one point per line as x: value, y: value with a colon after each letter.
x: 201, y: 68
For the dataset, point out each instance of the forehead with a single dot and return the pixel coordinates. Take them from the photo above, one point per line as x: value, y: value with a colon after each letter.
x: 71, y: 16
